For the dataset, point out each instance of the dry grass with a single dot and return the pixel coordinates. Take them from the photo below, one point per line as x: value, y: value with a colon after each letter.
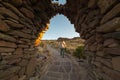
x: 72, y: 44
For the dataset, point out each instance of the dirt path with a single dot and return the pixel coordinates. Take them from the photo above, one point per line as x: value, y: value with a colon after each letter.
x: 63, y: 68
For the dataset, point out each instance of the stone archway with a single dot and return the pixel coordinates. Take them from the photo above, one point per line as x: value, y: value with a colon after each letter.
x: 97, y: 22
x: 20, y: 24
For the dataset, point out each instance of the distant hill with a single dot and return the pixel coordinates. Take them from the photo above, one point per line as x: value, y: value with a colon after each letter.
x: 72, y: 43
x: 61, y: 38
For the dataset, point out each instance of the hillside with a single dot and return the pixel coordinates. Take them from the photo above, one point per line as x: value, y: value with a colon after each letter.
x: 72, y: 44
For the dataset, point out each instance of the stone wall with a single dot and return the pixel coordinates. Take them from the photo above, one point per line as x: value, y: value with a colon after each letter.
x: 20, y: 24
x: 98, y: 22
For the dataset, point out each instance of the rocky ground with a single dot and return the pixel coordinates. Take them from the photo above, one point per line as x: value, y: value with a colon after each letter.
x: 63, y: 68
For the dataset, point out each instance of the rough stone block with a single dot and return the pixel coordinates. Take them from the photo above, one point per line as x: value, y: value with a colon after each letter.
x: 13, y: 8
x: 20, y: 34
x: 113, y: 12
x: 114, y: 51
x: 18, y: 51
x: 27, y: 30
x: 110, y: 41
x: 109, y: 26
x: 3, y: 62
x: 92, y: 3
x: 17, y: 2
x: 13, y: 20
x: 100, y: 53
x: 28, y: 56
x: 14, y: 61
x: 93, y: 23
x: 106, y: 62
x: 14, y: 69
x: 105, y: 4
x: 6, y: 54
x: 25, y: 40
x: 99, y: 38
x: 22, y: 77
x: 91, y: 39
x: 105, y: 76
x: 9, y: 71
x: 114, y: 45
x: 7, y: 37
x: 99, y: 47
x: 8, y: 12
x: 22, y: 71
x: 5, y: 66
x: 23, y: 46
x: 6, y: 49
x: 3, y: 26
x: 28, y: 24
x: 116, y: 63
x: 114, y: 35
x: 98, y: 64
x: 24, y: 62
x: 111, y: 73
x: 13, y: 24
x: 1, y: 17
x: 7, y: 44
x: 27, y: 12
x: 15, y: 77
x: 8, y: 76
x: 93, y: 47
x: 118, y: 29
x: 13, y: 56
x: 31, y: 67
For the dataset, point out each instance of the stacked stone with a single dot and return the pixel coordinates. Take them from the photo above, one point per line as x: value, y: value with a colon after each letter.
x: 20, y: 24
x: 98, y: 23
x: 108, y: 56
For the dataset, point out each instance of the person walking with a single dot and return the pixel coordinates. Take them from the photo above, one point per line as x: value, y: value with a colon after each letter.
x: 62, y: 48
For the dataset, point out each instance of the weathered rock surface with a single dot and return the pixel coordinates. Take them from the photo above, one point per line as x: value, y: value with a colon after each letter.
x: 114, y: 12
x: 114, y: 51
x: 14, y: 9
x: 3, y: 26
x: 17, y: 2
x: 111, y: 73
x: 110, y: 26
x: 115, y: 35
x: 115, y: 63
x: 9, y: 13
x: 6, y: 49
x: 18, y: 51
x: 105, y: 4
x: 27, y: 13
x: 31, y: 67
x: 7, y: 44
x: 20, y: 34
x: 23, y: 62
x: 13, y: 24
x: 7, y: 37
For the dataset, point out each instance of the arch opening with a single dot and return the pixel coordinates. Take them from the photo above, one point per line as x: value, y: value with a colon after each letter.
x: 60, y: 26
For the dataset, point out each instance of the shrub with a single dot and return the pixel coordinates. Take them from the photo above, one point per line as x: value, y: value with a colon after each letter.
x: 67, y: 51
x: 42, y: 44
x: 79, y: 52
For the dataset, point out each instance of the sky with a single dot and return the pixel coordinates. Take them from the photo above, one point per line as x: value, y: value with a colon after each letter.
x: 60, y: 1
x: 60, y: 26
